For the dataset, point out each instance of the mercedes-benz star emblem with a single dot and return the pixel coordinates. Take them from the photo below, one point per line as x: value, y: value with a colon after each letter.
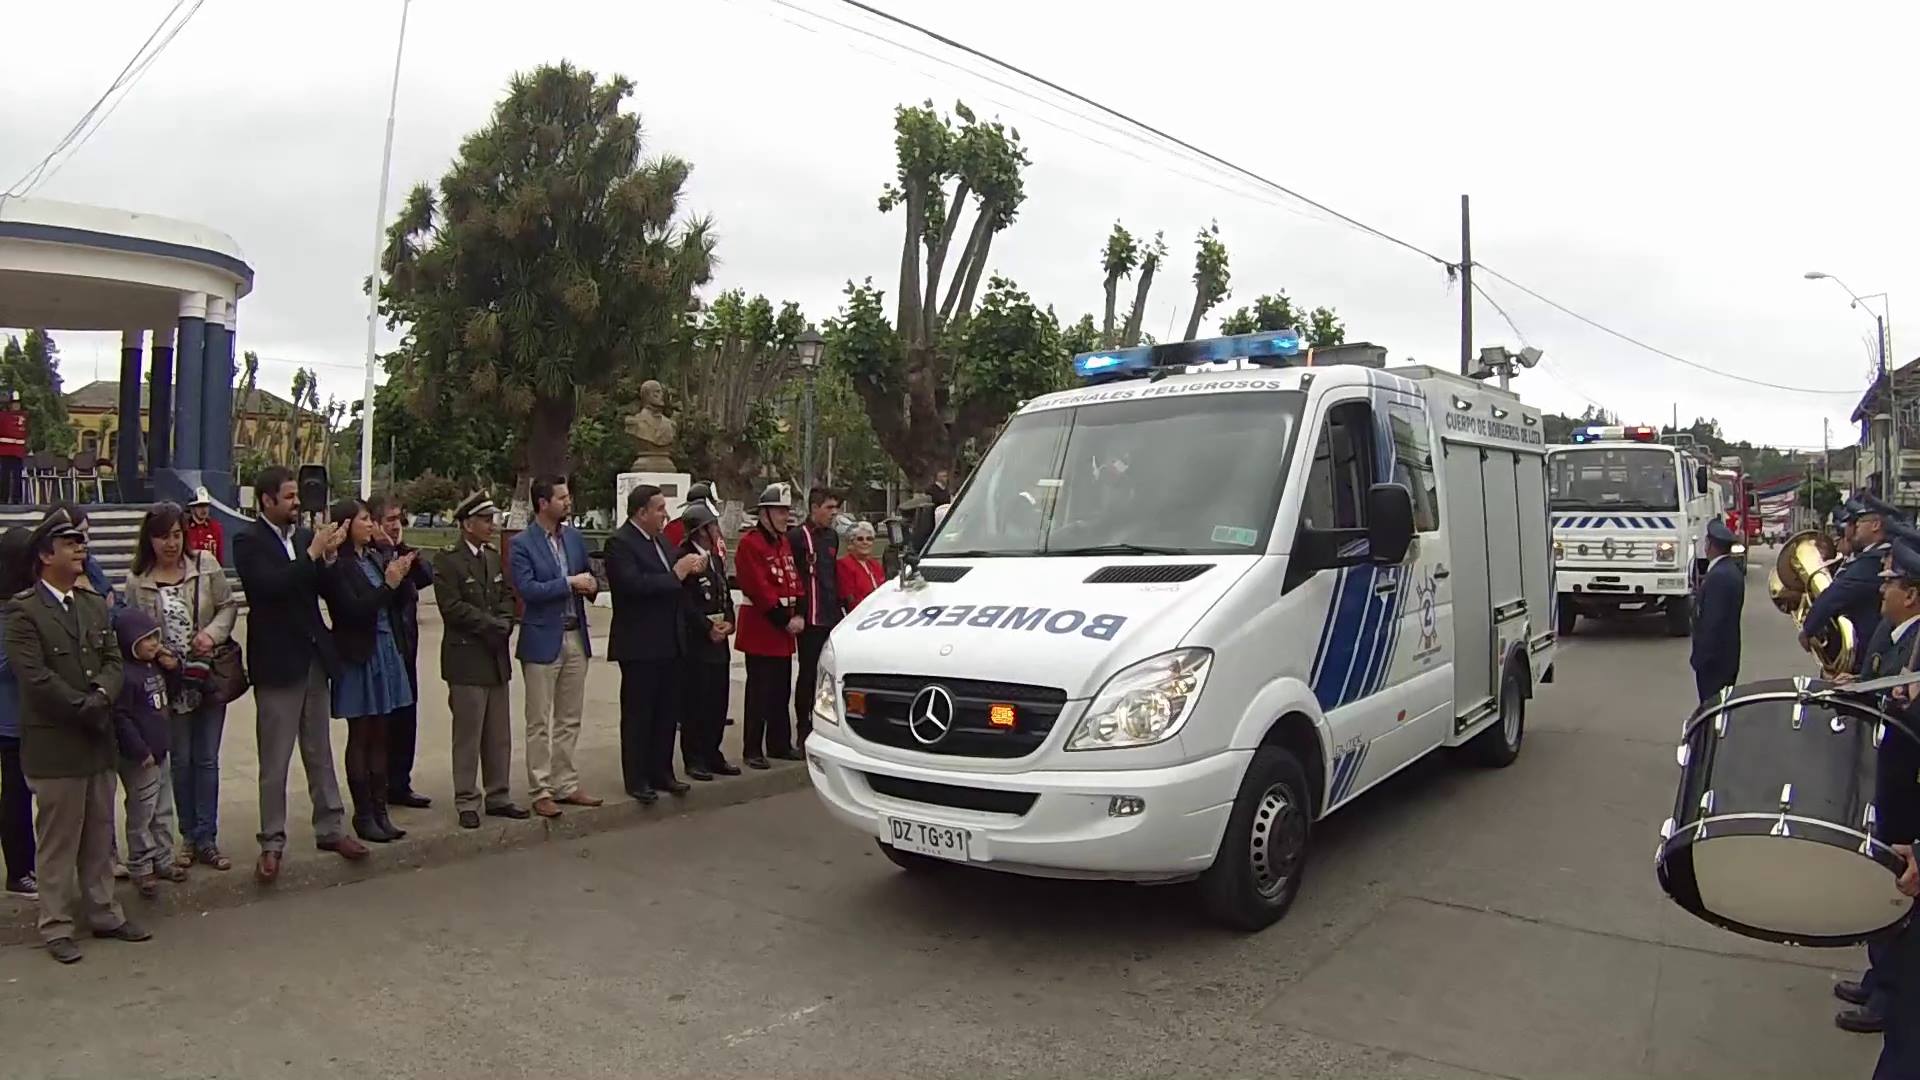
x: 930, y: 716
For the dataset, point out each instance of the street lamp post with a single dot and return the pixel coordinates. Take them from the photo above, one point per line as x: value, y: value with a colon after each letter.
x: 373, y: 282
x: 807, y: 348
x: 1890, y: 440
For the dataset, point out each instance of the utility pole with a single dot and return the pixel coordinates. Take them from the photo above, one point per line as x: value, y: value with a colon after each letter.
x: 1826, y: 451
x: 1466, y: 289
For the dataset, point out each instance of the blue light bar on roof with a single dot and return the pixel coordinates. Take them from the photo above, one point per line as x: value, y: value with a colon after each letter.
x: 1267, y: 348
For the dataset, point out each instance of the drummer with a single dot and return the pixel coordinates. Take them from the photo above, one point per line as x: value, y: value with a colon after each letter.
x: 1855, y: 592
x: 1896, y: 962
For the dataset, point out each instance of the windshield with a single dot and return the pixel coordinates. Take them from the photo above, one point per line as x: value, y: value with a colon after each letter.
x: 1615, y: 478
x: 1174, y: 475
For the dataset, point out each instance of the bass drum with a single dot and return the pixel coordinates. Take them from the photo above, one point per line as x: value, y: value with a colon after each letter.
x: 1773, y: 832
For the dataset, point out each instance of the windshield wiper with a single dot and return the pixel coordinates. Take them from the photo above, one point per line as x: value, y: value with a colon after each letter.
x: 1117, y: 549
x: 968, y: 554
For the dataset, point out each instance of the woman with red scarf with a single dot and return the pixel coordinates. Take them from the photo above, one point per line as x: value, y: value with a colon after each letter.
x: 859, y: 572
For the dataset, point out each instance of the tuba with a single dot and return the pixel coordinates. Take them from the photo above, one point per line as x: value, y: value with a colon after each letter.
x: 1799, y: 576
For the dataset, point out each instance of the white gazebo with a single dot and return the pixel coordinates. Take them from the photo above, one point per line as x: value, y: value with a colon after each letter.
x: 64, y: 266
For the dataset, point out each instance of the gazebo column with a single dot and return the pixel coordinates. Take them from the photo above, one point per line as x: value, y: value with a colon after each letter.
x: 125, y: 450
x: 216, y: 398
x: 159, y: 409
x: 190, y: 355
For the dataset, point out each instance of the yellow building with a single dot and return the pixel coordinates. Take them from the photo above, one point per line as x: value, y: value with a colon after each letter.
x: 260, y: 423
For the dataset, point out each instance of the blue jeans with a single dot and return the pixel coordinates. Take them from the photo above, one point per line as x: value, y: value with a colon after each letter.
x: 196, y: 773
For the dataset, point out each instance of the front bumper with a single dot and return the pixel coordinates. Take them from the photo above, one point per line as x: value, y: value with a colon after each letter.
x: 1603, y: 586
x: 1068, y: 831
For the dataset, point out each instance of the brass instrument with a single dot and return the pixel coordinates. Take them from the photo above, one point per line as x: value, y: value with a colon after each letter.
x: 1800, y: 574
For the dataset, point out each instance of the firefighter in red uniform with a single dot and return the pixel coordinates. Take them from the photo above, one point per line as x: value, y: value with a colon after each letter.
x: 13, y: 450
x: 203, y: 532
x: 769, y: 622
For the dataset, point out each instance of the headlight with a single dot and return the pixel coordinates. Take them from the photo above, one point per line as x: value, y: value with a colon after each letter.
x: 1144, y: 704
x: 1559, y: 551
x: 1663, y: 551
x: 826, y: 701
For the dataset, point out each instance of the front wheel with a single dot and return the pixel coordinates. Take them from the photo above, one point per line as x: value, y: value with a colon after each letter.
x: 1256, y: 874
x: 1567, y: 617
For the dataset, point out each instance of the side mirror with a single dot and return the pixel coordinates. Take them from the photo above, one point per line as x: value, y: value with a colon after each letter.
x: 1700, y: 478
x: 1389, y: 522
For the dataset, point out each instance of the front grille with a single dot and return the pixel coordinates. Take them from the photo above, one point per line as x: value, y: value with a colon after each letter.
x: 985, y: 800
x: 1036, y: 708
x: 1146, y: 574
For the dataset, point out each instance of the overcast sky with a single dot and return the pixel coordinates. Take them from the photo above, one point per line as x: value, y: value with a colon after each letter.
x: 1668, y: 169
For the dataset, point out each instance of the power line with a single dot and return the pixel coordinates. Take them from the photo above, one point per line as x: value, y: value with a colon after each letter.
x: 91, y: 120
x: 1656, y: 350
x: 1142, y: 125
x: 1243, y: 171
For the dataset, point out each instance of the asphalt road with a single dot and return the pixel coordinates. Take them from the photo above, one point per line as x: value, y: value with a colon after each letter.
x: 1456, y: 923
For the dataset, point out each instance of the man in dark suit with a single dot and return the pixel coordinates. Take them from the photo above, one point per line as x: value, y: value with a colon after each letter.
x: 550, y: 572
x: 708, y: 672
x: 290, y: 657
x: 1716, y: 617
x: 403, y: 724
x: 816, y: 554
x: 1855, y: 592
x: 648, y: 641
x: 476, y: 608
x: 63, y: 651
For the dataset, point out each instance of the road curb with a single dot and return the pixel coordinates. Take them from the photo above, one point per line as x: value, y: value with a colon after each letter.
x: 305, y: 869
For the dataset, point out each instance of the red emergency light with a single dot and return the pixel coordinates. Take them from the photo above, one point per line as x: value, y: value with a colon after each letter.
x: 1643, y: 433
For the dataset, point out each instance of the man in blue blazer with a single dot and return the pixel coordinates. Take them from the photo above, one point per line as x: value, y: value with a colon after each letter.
x: 1855, y: 592
x: 551, y: 575
x: 1716, y: 617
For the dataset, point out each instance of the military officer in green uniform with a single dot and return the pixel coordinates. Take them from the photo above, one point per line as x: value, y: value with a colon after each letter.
x: 476, y: 607
x: 65, y: 655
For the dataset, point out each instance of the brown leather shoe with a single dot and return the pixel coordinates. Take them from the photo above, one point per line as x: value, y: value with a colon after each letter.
x: 346, y: 847
x: 546, y: 807
x: 267, y: 870
x: 581, y: 798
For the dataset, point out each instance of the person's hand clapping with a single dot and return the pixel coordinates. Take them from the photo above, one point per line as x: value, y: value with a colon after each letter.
x: 689, y: 565
x: 325, y: 539
x: 397, y: 570
x: 584, y: 584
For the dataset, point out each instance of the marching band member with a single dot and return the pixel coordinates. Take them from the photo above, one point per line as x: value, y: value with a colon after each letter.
x: 1716, y: 619
x: 1855, y: 592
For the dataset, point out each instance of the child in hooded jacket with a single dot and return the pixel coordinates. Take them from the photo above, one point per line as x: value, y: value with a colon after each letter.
x: 141, y: 723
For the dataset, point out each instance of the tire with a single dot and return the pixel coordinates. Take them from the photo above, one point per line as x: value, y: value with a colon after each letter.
x: 1498, y: 746
x: 911, y: 862
x: 1679, y: 616
x: 1567, y: 618
x: 1244, y: 889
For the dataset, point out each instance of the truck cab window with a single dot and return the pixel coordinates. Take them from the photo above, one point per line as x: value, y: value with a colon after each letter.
x: 1336, y: 495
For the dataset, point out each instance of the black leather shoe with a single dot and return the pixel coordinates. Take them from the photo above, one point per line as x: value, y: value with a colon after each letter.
x: 672, y: 786
x: 126, y: 931
x: 1850, y: 991
x: 1860, y: 1021
x: 517, y: 813
x: 697, y: 773
x: 64, y: 950
x: 789, y: 755
x: 725, y: 768
x: 412, y: 800
x: 367, y: 827
x: 645, y: 796
x: 469, y: 819
x: 758, y: 763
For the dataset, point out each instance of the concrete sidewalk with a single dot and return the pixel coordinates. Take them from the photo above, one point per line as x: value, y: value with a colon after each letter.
x: 433, y: 835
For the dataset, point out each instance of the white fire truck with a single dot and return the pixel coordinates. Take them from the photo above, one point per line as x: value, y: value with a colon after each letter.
x: 1629, y: 525
x: 1182, y: 613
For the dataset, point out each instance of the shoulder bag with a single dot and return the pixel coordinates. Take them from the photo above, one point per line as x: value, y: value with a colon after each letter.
x: 227, y: 667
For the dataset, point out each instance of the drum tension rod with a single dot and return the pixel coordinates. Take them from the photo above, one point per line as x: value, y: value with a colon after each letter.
x: 1786, y: 803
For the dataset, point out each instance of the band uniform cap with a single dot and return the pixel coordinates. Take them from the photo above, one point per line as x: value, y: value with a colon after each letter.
x: 775, y: 496
x: 201, y: 497
x: 1718, y: 532
x: 698, y: 515
x: 1872, y: 504
x: 475, y: 504
x: 1903, y: 562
